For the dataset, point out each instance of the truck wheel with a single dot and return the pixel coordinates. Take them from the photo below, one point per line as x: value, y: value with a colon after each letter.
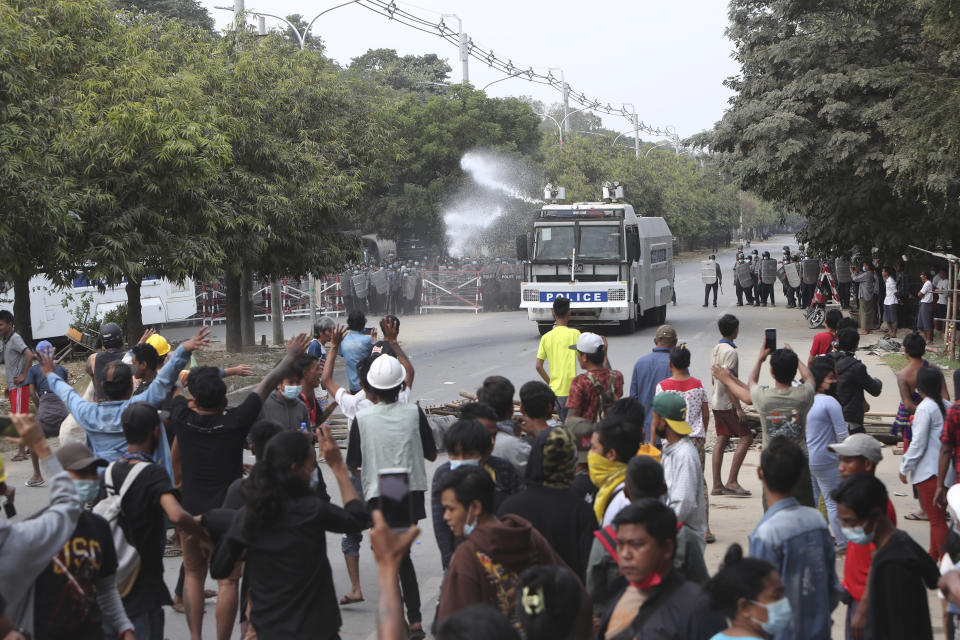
x: 544, y: 327
x: 628, y: 326
x: 661, y: 315
x: 650, y: 317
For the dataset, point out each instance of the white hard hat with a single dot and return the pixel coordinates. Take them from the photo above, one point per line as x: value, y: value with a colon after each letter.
x: 386, y: 372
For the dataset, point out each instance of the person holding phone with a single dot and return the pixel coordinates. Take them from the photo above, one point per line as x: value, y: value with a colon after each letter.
x: 783, y: 407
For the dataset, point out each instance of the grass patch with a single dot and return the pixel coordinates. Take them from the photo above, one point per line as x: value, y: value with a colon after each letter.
x: 898, y: 361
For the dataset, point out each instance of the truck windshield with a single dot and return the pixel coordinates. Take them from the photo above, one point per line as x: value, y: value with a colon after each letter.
x: 600, y: 242
x: 554, y: 243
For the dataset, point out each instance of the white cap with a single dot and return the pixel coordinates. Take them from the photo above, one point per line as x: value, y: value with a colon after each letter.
x: 588, y: 343
x: 386, y: 372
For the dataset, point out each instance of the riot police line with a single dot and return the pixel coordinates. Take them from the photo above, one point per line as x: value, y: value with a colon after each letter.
x: 756, y: 278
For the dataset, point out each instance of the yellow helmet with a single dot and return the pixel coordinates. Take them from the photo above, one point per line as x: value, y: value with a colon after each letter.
x: 159, y: 343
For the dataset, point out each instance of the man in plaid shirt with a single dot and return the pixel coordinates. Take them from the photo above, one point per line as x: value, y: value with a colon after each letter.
x: 950, y: 451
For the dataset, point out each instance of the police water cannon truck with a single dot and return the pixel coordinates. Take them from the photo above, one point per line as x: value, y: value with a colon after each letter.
x: 614, y: 266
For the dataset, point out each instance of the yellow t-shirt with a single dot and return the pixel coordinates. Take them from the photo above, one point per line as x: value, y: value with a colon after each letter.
x: 561, y: 359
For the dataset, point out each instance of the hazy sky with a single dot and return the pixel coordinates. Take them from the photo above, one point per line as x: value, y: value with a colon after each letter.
x: 667, y: 57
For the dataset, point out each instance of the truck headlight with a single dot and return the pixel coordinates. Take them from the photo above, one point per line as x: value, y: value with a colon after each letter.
x: 616, y: 295
x: 531, y: 295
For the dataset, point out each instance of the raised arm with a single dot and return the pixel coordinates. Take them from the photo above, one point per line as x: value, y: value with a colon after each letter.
x: 391, y: 329
x: 158, y: 390
x: 735, y: 387
x: 295, y: 348
x: 326, y: 378
x: 758, y: 365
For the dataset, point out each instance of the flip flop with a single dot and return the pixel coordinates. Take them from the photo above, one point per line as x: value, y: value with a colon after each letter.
x: 348, y: 600
x: 739, y: 492
x: 710, y: 538
x: 915, y: 517
x: 20, y: 457
x: 32, y: 483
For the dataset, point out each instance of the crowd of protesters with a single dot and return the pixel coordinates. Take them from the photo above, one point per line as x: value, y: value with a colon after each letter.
x: 583, y: 514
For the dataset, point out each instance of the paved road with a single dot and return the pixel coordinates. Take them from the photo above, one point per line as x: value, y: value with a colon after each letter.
x: 455, y: 351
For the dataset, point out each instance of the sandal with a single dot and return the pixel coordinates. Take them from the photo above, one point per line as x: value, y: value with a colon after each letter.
x: 916, y: 517
x: 417, y: 634
x: 710, y: 538
x: 348, y: 600
x: 35, y: 483
x: 20, y: 457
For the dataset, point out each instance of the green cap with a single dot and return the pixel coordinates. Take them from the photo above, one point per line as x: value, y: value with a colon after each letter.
x: 673, y: 408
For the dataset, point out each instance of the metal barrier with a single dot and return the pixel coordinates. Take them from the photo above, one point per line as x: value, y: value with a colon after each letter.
x: 211, y: 303
x: 451, y: 290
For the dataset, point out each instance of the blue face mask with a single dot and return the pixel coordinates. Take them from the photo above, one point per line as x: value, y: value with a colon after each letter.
x: 779, y: 615
x: 468, y: 526
x: 470, y: 462
x: 291, y: 391
x: 857, y: 535
x: 87, y: 489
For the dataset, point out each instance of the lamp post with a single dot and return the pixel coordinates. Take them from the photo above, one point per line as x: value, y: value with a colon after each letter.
x: 464, y: 54
x: 564, y: 92
x: 636, y: 129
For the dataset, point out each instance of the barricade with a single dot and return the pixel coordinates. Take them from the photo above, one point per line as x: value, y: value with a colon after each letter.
x: 211, y: 302
x: 451, y: 290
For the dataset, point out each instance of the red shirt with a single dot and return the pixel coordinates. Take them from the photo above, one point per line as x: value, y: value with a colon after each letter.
x: 951, y: 432
x: 584, y: 396
x: 856, y: 567
x: 821, y: 343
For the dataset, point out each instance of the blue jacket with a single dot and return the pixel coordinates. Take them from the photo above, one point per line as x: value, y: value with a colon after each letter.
x: 796, y: 541
x: 101, y: 420
x: 649, y: 370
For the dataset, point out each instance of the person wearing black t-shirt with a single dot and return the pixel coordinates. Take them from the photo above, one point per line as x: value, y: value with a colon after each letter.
x: 281, y: 535
x: 211, y: 440
x: 147, y: 501
x: 76, y: 595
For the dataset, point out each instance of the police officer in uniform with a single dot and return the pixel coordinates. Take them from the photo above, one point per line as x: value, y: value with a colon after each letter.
x: 712, y: 278
x: 743, y: 277
x: 768, y: 277
x: 809, y: 276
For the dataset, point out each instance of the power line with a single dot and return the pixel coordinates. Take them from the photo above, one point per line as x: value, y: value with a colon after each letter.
x: 390, y: 10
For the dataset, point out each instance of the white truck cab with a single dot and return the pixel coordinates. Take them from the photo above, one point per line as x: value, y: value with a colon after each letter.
x: 615, y: 267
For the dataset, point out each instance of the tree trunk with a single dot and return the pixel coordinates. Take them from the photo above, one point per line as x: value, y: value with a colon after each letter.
x: 247, y: 327
x: 21, y: 307
x: 134, y: 327
x: 234, y: 316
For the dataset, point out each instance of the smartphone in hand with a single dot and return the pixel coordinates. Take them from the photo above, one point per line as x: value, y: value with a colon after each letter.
x: 395, y: 498
x: 771, y: 339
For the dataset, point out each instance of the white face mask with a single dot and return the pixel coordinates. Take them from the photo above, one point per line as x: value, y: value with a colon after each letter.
x: 468, y: 462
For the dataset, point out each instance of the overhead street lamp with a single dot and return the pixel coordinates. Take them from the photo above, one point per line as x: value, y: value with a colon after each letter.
x: 561, y: 123
x: 656, y: 146
x: 512, y: 75
x: 301, y: 38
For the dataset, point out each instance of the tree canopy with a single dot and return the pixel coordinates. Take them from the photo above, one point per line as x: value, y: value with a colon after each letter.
x: 845, y: 112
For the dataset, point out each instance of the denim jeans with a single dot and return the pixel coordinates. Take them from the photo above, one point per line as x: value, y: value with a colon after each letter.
x: 825, y: 478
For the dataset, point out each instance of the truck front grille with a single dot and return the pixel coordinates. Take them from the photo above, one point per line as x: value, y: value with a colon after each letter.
x: 616, y: 295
